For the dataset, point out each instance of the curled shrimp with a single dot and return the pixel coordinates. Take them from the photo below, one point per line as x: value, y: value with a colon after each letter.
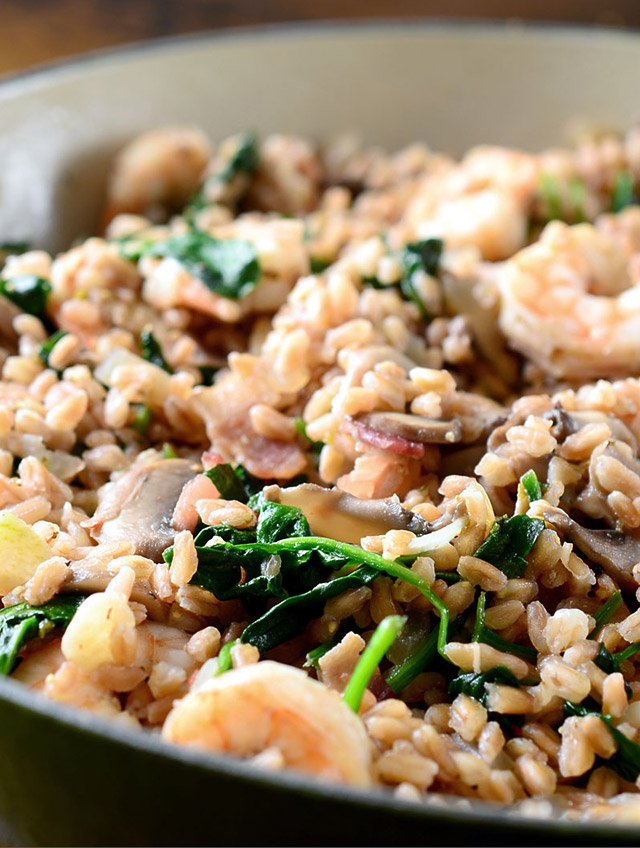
x: 570, y: 303
x: 270, y: 706
x: 157, y: 171
x: 482, y: 202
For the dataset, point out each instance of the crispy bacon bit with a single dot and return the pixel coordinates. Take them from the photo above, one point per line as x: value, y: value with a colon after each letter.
x: 383, y: 441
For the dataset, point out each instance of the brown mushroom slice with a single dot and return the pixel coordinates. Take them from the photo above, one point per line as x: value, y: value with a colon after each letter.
x: 345, y: 518
x: 86, y: 581
x: 615, y: 552
x: 414, y: 428
x: 8, y: 336
x: 566, y: 423
x: 139, y: 506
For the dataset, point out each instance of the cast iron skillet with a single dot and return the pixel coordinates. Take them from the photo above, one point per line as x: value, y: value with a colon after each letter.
x: 69, y: 778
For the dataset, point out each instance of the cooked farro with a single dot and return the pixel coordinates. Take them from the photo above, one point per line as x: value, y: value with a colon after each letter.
x: 329, y: 459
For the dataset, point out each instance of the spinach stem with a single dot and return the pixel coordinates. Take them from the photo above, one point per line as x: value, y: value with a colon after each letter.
x: 387, y: 566
x: 606, y: 612
x: 384, y: 636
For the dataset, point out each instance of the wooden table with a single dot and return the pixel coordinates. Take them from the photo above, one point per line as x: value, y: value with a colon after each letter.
x: 36, y: 31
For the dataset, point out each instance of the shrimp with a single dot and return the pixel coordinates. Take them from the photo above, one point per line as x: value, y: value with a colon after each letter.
x: 157, y: 171
x: 273, y: 706
x: 571, y: 303
x: 482, y: 202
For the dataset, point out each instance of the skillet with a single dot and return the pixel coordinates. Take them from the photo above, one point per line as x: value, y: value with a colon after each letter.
x: 69, y: 778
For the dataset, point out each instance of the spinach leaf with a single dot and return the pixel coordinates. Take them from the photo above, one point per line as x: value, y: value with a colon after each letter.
x: 610, y: 663
x: 401, y: 675
x: 317, y: 265
x: 225, y: 662
x: 142, y: 416
x: 315, y: 654
x: 28, y: 292
x: 290, y: 617
x: 21, y: 622
x: 383, y: 637
x: 624, y: 192
x: 207, y: 373
x: 550, y: 190
x: 606, y: 612
x: 151, y: 350
x: 301, y: 428
x: 285, y: 617
x: 419, y: 256
x: 234, y: 484
x: 277, y: 521
x: 509, y: 542
x: 47, y: 346
x: 626, y: 760
x: 228, y: 267
x: 489, y: 637
x: 244, y: 159
x: 423, y: 255
x: 481, y: 633
x: 247, y: 564
x: 134, y: 246
x: 474, y: 685
x: 14, y: 248
x: 532, y: 485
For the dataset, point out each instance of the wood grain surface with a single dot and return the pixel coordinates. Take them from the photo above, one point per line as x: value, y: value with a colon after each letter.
x: 35, y: 31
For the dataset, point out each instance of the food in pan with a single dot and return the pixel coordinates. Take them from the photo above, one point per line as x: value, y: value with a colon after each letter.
x: 327, y: 459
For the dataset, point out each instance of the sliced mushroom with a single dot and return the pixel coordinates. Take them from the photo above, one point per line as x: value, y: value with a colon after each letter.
x: 87, y: 581
x: 615, y: 552
x: 139, y: 506
x: 464, y: 296
x: 415, y: 428
x: 566, y: 423
x: 338, y: 515
x: 8, y: 336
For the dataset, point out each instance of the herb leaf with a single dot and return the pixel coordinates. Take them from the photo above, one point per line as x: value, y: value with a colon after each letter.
x: 626, y: 760
x: 47, y: 346
x: 225, y: 661
x: 606, y: 612
x: 531, y: 485
x: 244, y: 159
x: 234, y: 484
x: 290, y: 617
x: 151, y: 350
x: 228, y: 267
x: 509, y: 542
x: 142, y: 415
x: 21, y: 622
x: 474, y: 685
x: 384, y: 636
x: 301, y: 428
x: 624, y: 191
x: 315, y: 655
x: 419, y: 256
x: 277, y: 521
x: 401, y: 675
x: 28, y: 292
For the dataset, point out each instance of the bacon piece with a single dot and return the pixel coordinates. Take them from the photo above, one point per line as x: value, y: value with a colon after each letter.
x: 383, y: 441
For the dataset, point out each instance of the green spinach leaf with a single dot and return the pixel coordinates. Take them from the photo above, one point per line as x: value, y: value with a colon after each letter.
x: 509, y: 542
x: 474, y: 685
x: 626, y: 760
x: 151, y: 350
x: 228, y: 267
x: 47, y: 346
x: 21, y: 623
x: 28, y: 292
